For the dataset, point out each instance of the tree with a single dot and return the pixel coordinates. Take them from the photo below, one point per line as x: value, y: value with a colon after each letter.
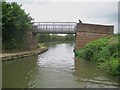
x: 43, y: 38
x: 70, y: 37
x: 14, y: 22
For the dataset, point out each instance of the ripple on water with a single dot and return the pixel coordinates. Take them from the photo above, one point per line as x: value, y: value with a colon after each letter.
x: 55, y: 68
x: 98, y: 83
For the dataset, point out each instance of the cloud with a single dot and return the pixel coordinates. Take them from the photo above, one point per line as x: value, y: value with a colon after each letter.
x: 62, y: 0
x: 31, y: 1
x: 89, y: 12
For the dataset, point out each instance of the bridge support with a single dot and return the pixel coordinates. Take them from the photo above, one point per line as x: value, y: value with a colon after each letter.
x: 84, y: 33
x: 89, y: 32
x: 31, y: 41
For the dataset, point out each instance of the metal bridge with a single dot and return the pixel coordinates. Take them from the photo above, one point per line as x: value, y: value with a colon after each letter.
x: 55, y: 27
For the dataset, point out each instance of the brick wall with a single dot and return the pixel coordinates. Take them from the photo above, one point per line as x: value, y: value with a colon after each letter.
x: 84, y: 34
x: 94, y: 28
x: 89, y: 32
x: 31, y: 40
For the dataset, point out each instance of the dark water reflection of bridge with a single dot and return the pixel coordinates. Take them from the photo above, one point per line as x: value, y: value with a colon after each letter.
x: 55, y: 27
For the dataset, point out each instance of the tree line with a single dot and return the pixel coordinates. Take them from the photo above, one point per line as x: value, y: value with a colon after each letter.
x: 44, y: 38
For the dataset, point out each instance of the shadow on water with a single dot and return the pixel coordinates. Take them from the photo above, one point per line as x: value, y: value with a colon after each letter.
x: 16, y: 72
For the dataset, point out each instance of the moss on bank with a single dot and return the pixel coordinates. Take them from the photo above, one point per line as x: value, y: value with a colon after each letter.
x: 104, y: 53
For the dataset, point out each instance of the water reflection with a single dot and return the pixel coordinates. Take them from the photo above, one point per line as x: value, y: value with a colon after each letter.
x: 56, y: 68
x: 92, y: 77
x: 15, y: 73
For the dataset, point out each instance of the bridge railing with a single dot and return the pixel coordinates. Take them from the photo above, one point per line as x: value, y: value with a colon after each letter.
x: 55, y: 26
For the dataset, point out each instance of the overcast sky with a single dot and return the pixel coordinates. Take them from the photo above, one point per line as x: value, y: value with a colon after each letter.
x: 100, y: 12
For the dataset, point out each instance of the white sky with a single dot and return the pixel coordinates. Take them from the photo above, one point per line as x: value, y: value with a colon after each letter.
x: 89, y: 11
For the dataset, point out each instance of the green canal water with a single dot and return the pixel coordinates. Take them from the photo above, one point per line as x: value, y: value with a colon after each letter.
x: 56, y: 68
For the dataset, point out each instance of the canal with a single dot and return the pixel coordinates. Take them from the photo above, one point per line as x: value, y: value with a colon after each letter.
x: 56, y: 68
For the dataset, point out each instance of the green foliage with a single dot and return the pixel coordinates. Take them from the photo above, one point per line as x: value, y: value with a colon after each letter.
x: 69, y: 37
x: 43, y: 38
x: 111, y: 66
x: 14, y: 17
x: 104, y: 52
x: 14, y: 23
x: 92, y: 49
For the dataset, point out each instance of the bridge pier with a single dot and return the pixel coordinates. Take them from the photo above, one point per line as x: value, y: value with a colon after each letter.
x: 84, y: 32
x: 31, y: 41
x: 89, y: 32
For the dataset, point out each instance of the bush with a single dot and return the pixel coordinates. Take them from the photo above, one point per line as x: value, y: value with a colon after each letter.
x: 103, y: 52
x: 90, y: 51
x: 111, y: 66
x: 15, y: 21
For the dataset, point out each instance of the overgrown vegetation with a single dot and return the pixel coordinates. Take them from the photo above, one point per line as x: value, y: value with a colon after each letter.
x: 14, y: 24
x: 104, y: 53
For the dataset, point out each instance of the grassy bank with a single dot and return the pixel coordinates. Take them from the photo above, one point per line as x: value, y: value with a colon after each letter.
x: 104, y: 53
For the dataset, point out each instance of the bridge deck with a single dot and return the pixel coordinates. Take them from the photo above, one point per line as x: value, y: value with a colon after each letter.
x: 54, y: 27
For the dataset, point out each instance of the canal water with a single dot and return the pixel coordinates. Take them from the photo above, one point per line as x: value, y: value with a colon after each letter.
x: 56, y: 68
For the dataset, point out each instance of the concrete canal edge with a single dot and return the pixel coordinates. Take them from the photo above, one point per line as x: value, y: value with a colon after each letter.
x: 12, y: 56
